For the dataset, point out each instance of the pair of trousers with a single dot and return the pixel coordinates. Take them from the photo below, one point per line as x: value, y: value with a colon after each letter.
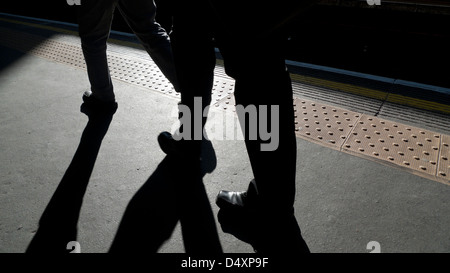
x: 95, y: 18
x: 255, y: 60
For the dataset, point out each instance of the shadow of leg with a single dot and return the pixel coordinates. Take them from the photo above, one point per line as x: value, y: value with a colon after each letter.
x: 151, y: 215
x: 267, y: 234
x: 196, y: 216
x: 58, y: 223
x: 175, y: 191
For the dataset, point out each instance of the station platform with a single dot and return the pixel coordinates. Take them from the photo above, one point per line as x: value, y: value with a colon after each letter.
x: 370, y: 169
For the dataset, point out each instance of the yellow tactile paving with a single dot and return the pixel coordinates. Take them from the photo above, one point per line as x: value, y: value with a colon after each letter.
x: 416, y: 150
x: 405, y: 146
x: 444, y: 159
x: 325, y: 124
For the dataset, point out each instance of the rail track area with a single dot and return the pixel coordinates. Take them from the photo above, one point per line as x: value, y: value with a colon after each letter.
x: 373, y: 150
x: 398, y: 39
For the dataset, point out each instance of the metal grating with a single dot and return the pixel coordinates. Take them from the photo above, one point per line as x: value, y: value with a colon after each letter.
x: 416, y: 117
x: 341, y: 99
x: 322, y: 123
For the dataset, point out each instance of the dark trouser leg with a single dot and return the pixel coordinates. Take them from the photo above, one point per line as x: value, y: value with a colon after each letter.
x: 263, y: 81
x: 140, y: 16
x: 95, y: 19
x: 194, y: 59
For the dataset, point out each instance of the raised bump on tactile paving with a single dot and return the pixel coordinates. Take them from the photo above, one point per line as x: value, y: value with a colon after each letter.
x: 443, y: 171
x: 405, y: 146
x: 322, y: 123
x: 223, y: 94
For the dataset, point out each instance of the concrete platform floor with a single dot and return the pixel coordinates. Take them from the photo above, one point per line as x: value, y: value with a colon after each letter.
x: 343, y: 202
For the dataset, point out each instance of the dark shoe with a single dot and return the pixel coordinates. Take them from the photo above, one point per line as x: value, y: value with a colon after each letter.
x: 231, y: 199
x: 92, y: 105
x: 265, y: 227
x: 168, y: 144
x: 244, y: 199
x: 237, y: 215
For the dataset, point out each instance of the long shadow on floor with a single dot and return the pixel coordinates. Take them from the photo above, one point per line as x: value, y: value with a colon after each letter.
x: 174, y: 192
x: 58, y: 223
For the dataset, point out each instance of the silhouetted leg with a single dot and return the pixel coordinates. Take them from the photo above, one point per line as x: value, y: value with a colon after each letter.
x: 194, y: 58
x: 164, y: 14
x: 140, y: 16
x: 94, y: 21
x: 263, y: 81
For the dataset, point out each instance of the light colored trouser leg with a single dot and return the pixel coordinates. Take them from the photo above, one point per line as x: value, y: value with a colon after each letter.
x: 95, y: 19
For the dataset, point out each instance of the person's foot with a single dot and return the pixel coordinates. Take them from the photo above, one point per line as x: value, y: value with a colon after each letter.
x: 265, y: 228
x: 93, y: 105
x: 237, y: 216
x: 186, y: 148
x: 234, y: 199
x: 231, y: 199
x: 168, y: 144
